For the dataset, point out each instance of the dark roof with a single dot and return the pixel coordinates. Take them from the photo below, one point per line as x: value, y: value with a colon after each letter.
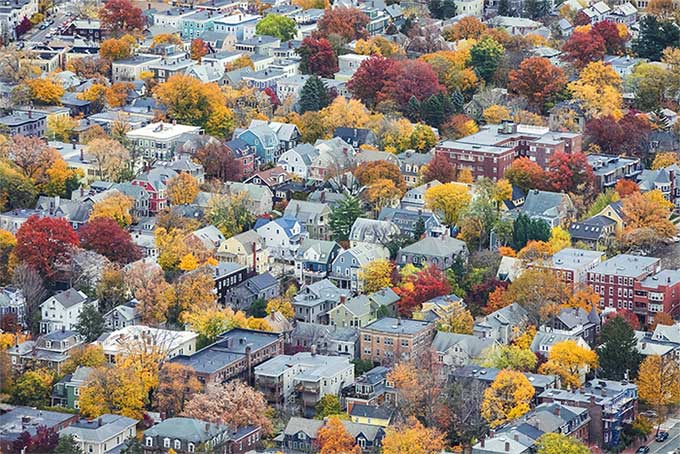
x: 371, y: 411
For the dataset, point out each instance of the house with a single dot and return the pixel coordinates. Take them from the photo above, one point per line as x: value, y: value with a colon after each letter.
x: 485, y: 376
x: 610, y: 404
x: 356, y: 312
x: 323, y: 339
x: 209, y: 236
x: 441, y: 252
x: 228, y: 275
x: 233, y: 355
x: 390, y: 340
x: 187, y: 435
x: 282, y: 236
x: 575, y: 322
x: 75, y: 212
x: 370, y: 389
x: 29, y: 123
x: 438, y: 308
x: 366, y: 231
x: 335, y: 157
x: 153, y: 183
x: 122, y: 315
x: 240, y: 25
x: 258, y: 287
x: 157, y: 141
x: 517, y: 26
x: 258, y: 198
x: 130, y: 69
x: 61, y: 311
x: 456, y: 350
x: 314, y: 216
x: 504, y: 324
x: 356, y: 136
x: 66, y: 391
x: 194, y: 25
x: 347, y: 66
x: 659, y: 292
x: 623, y: 65
x: 48, y: 351
x: 610, y: 169
x: 248, y: 249
x: 13, y: 304
x: 571, y: 265
x: 263, y: 140
x: 414, y: 199
x: 594, y: 231
x: 106, y: 434
x: 346, y: 269
x: 625, y: 13
x: 313, y: 301
x: 371, y: 415
x: 597, y: 12
x: 413, y: 223
x: 384, y: 301
x: 273, y: 179
x: 287, y: 134
x: 244, y: 153
x: 554, y: 208
x: 305, y: 375
x: 411, y: 165
x: 314, y: 259
x: 120, y: 343
x: 300, y: 435
x: 25, y: 419
x: 298, y: 160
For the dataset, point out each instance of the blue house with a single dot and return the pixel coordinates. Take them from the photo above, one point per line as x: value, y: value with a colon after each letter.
x: 264, y: 140
x: 196, y: 24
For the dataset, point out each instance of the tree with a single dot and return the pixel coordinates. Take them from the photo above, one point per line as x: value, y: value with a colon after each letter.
x: 496, y: 114
x: 557, y: 443
x: 45, y: 244
x: 67, y: 445
x: 570, y: 172
x: 442, y: 9
x: 182, y: 189
x: 598, y: 90
x: 618, y: 350
x: 104, y: 236
x: 230, y: 214
x: 662, y: 318
x: 507, y: 398
x: 535, y: 289
x: 458, y: 320
x: 109, y: 157
x: 33, y: 157
x: 624, y: 188
x: 412, y: 437
x: 569, y: 361
x: 614, y: 39
x: 234, y: 404
x: 328, y: 405
x: 44, y: 440
x: 644, y: 212
x: 116, y: 95
x: 115, y: 206
x: 408, y: 79
x: 88, y: 356
x: 314, y: 95
x: 219, y: 162
x: 440, y: 169
x: 449, y: 199
x: 282, y: 306
x: 33, y: 388
x: 177, y: 384
x: 485, y: 56
x: 276, y: 25
x: 318, y: 57
x: 583, y: 48
x: 469, y: 27
x: 368, y: 173
x: 333, y: 438
x: 376, y: 275
x: 510, y: 357
x: 153, y: 293
x: 659, y: 383
x: 45, y: 91
x: 16, y: 190
x: 194, y: 292
x: 377, y: 45
x: 654, y: 36
x: 382, y: 193
x: 348, y: 24
x: 7, y: 244
x: 421, y: 286
x: 369, y: 79
x: 627, y: 135
x: 538, y: 80
x: 199, y: 49
x: 113, y: 49
x: 525, y: 174
x: 90, y: 323
x: 113, y: 389
x: 121, y: 16
x: 663, y: 159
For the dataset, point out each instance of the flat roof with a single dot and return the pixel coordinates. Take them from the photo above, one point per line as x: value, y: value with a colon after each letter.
x: 398, y: 326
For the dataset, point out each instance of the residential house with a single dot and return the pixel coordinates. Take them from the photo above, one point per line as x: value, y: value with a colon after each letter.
x: 366, y: 231
x: 441, y: 252
x: 287, y: 134
x: 335, y: 157
x: 130, y: 69
x: 571, y: 265
x: 153, y: 183
x: 13, y: 304
x: 610, y: 169
x: 346, y: 269
x: 258, y: 45
x: 120, y: 343
x: 575, y: 322
x: 324, y: 339
x: 597, y: 12
x: 411, y: 165
x: 348, y: 65
x: 315, y: 217
x: 300, y: 435
x: 313, y: 301
x: 159, y: 140
x: 356, y: 312
x: 314, y: 259
x: 106, y: 434
x: 258, y: 287
x: 61, y: 311
x: 413, y: 223
x: 658, y: 292
x: 263, y: 140
x: 25, y: 419
x: 372, y: 389
x: 228, y: 275
x: 306, y: 376
x: 623, y: 65
x: 66, y: 392
x: 240, y: 25
x: 282, y: 236
x: 414, y: 199
x: 258, y: 198
x: 248, y: 249
x: 390, y: 340
x: 209, y: 236
x: 122, y: 315
x: 298, y: 160
x: 273, y: 178
x: 625, y: 13
x: 555, y: 208
x: 194, y: 25
x: 244, y: 153
x: 438, y: 308
x: 75, y: 212
x: 234, y: 355
x: 356, y: 136
x: 47, y: 351
x: 31, y: 124
x: 504, y: 324
x: 371, y: 415
x: 456, y: 350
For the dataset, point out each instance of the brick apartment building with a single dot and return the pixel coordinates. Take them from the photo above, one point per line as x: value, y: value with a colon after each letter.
x: 659, y: 292
x: 390, y: 340
x: 490, y: 152
x: 614, y: 279
x: 571, y: 265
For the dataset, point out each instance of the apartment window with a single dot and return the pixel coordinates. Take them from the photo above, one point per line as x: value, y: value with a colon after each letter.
x: 149, y: 441
x: 191, y: 447
x: 166, y: 442
x: 404, y: 343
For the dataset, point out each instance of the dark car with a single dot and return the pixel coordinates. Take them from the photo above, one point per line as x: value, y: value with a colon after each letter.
x: 642, y: 450
x: 661, y: 436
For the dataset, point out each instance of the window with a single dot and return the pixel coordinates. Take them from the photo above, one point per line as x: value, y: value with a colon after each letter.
x: 149, y: 441
x: 166, y: 442
x: 178, y: 444
x: 191, y: 447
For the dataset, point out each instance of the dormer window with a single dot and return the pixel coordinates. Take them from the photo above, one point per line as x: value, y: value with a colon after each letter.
x: 149, y: 441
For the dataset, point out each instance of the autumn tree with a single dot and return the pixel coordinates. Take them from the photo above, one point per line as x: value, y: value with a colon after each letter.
x: 625, y: 135
x: 282, y: 306
x: 421, y: 286
x: 348, y: 24
x: 618, y: 350
x: 91, y: 355
x: 44, y: 91
x: 16, y: 189
x: 333, y: 438
x: 644, y: 213
x: 199, y: 49
x: 109, y: 157
x: 44, y: 440
x: 33, y: 157
x: 368, y: 173
x: 32, y: 388
x: 510, y: 357
x: 7, y: 244
x: 177, y: 384
x: 121, y: 16
x: 598, y: 88
x: 412, y: 437
x: 662, y: 318
x: 458, y: 319
x: 448, y: 199
x: 116, y: 95
x: 182, y: 189
x: 230, y: 214
x: 583, y: 48
x: 209, y: 321
x: 659, y: 383
x: 45, y: 244
x: 570, y: 362
x: 318, y: 57
x: 538, y: 80
x: 469, y: 27
x: 664, y: 159
x: 525, y: 174
x: 557, y: 443
x: 105, y: 236
x: 613, y: 36
x: 369, y: 79
x: 507, y: 398
x: 113, y: 49
x: 376, y: 275
x: 440, y: 169
x: 113, y: 389
x: 219, y: 162
x: 534, y: 289
x: 276, y: 25
x: 116, y: 206
x: 570, y: 172
x: 234, y: 404
x: 147, y: 284
x: 624, y: 188
x: 496, y: 114
x: 407, y: 80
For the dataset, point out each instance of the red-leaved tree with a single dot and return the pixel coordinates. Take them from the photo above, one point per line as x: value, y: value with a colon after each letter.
x: 106, y: 237
x: 614, y: 42
x: 583, y: 48
x: 420, y: 287
x: 409, y: 78
x: 625, y: 136
x: 570, y: 172
x: 219, y: 162
x: 318, y: 57
x: 45, y: 243
x: 369, y: 79
x: 538, y: 80
x: 121, y: 16
x: 347, y: 23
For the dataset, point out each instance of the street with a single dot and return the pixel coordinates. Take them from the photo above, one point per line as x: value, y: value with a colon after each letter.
x: 669, y: 446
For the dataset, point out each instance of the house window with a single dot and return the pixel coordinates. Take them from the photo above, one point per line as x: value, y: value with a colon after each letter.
x: 149, y: 441
x: 191, y: 447
x: 178, y: 444
x: 166, y: 442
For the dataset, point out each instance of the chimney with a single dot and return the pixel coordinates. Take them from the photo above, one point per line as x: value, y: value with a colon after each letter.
x: 99, y: 422
x: 82, y: 154
x: 481, y: 442
x: 507, y: 446
x: 30, y: 114
x: 343, y: 299
x: 557, y: 410
x: 254, y: 249
x: 312, y: 349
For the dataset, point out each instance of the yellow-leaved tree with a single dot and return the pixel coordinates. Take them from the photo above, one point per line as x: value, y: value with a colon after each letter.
x: 664, y: 159
x: 333, y: 438
x: 507, y: 398
x: 449, y: 199
x: 559, y: 239
x: 113, y: 389
x: 115, y: 206
x: 495, y: 114
x: 376, y: 275
x: 598, y: 88
x: 413, y: 438
x: 182, y: 189
x: 458, y: 319
x: 659, y: 383
x: 570, y: 362
x: 281, y: 305
x: 557, y: 443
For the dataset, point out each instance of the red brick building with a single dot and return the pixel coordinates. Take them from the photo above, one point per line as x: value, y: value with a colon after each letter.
x: 659, y: 292
x: 571, y: 265
x: 490, y: 152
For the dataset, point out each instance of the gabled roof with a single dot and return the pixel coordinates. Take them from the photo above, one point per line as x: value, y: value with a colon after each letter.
x: 436, y: 247
x: 69, y: 298
x: 472, y: 345
x: 189, y: 429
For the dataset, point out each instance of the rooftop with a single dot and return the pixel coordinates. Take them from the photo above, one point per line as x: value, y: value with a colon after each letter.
x: 391, y: 325
x: 626, y: 265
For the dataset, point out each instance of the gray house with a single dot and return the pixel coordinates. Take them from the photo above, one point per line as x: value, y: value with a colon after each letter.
x: 346, y: 271
x: 314, y: 216
x: 440, y: 252
x: 555, y: 208
x: 259, y: 287
x: 313, y: 301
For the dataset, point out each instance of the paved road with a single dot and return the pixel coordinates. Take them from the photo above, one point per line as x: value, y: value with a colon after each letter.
x: 673, y: 441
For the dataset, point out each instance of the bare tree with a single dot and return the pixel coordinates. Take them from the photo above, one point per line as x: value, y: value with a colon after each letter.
x: 32, y: 287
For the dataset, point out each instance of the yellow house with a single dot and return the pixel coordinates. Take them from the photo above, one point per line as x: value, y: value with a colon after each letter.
x: 371, y: 414
x: 248, y: 249
x: 437, y: 308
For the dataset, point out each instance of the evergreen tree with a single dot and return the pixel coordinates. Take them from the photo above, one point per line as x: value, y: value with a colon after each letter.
x: 536, y: 8
x: 90, y: 323
x: 485, y: 56
x: 526, y: 229
x: 419, y: 229
x: 343, y: 216
x: 504, y: 8
x: 435, y: 109
x: 457, y: 101
x: 313, y: 96
x: 413, y: 109
x: 67, y: 445
x: 442, y: 9
x: 258, y: 308
x: 618, y: 350
x: 655, y: 35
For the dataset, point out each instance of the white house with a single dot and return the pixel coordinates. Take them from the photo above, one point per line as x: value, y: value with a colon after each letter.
x: 298, y: 160
x: 61, y: 311
x: 139, y: 337
x: 282, y: 236
x: 106, y: 434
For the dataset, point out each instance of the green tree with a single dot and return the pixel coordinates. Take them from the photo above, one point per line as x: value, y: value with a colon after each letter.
x: 33, y: 389
x: 258, y: 308
x: 655, y: 35
x: 555, y: 443
x: 276, y: 25
x: 313, y: 96
x: 361, y: 366
x: 90, y: 323
x: 504, y: 8
x: 536, y: 8
x: 343, y: 216
x: 618, y: 350
x: 485, y: 56
x: 442, y: 9
x: 419, y: 229
x: 525, y: 229
x: 67, y: 445
x: 328, y: 405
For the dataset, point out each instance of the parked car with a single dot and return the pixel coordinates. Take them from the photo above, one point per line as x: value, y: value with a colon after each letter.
x: 642, y: 450
x: 661, y: 436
